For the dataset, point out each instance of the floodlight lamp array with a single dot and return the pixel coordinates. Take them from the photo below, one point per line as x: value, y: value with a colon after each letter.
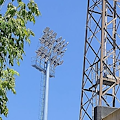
x: 51, y: 49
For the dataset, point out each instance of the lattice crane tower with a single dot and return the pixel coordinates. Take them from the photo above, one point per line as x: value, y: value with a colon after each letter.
x: 101, y: 67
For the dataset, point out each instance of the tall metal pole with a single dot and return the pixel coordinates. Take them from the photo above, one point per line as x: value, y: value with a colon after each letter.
x: 114, y: 47
x: 46, y: 91
x: 105, y: 40
x: 102, y: 50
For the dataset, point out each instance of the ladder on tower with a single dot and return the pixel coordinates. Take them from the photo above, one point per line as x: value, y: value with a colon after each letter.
x: 42, y: 97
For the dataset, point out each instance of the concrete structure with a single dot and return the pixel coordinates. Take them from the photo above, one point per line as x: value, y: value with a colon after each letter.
x: 113, y: 116
x: 101, y: 112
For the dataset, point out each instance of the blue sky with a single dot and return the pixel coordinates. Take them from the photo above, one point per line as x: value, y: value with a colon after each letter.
x: 67, y: 18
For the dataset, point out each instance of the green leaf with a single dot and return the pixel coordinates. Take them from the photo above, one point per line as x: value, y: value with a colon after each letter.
x: 1, y: 2
x: 13, y: 90
x: 32, y: 33
x: 19, y: 0
x: 18, y: 63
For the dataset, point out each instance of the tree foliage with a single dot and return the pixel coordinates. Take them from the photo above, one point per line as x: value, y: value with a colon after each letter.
x: 13, y: 34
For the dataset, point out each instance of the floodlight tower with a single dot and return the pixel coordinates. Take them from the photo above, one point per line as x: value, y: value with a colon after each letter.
x: 101, y: 66
x: 48, y: 57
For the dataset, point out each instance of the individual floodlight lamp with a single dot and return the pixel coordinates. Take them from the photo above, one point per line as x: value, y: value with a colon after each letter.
x: 46, y: 30
x: 50, y: 33
x: 50, y: 53
x: 65, y: 44
x: 59, y: 39
x: 61, y: 52
x: 54, y: 35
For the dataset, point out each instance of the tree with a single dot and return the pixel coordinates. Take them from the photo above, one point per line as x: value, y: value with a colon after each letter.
x: 13, y: 34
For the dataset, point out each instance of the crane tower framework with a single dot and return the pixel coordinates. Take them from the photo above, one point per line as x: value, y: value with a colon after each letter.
x: 101, y: 66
